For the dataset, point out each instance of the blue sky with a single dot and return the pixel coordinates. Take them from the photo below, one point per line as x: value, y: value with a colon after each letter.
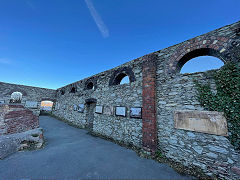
x: 51, y: 43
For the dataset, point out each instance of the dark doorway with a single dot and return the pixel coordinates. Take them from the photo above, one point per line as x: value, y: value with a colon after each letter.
x: 90, y: 107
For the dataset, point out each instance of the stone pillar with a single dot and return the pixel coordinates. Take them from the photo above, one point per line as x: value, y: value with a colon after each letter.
x: 149, y: 118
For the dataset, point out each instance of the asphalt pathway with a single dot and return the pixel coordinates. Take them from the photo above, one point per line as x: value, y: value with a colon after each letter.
x: 71, y: 153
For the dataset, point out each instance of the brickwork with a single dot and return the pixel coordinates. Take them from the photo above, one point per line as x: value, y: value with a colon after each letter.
x: 217, y: 43
x: 16, y: 119
x: 149, y: 118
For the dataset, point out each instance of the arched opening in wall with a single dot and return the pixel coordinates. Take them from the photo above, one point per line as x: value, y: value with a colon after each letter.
x: 125, y: 80
x: 46, y: 106
x: 122, y: 75
x: 90, y: 85
x: 16, y: 97
x: 201, y: 64
x: 62, y: 92
x: 122, y: 79
x: 200, y: 60
x: 73, y: 90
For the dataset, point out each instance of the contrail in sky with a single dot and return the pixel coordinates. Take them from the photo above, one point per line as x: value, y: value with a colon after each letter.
x: 97, y: 18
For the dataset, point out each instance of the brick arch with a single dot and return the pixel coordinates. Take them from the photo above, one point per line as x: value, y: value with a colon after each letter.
x: 119, y: 74
x: 200, y: 46
x: 90, y: 81
x: 196, y: 53
x: 73, y: 88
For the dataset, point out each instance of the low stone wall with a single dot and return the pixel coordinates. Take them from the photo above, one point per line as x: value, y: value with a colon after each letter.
x: 16, y: 119
x: 9, y: 144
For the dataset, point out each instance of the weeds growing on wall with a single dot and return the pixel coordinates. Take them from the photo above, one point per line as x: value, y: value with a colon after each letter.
x: 226, y: 99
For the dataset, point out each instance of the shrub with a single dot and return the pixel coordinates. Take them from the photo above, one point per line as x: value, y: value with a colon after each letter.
x: 226, y: 99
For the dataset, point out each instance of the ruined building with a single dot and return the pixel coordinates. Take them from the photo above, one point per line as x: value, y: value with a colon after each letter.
x: 158, y: 109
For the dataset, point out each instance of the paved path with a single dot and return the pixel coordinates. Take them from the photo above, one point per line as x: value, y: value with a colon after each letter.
x: 70, y: 153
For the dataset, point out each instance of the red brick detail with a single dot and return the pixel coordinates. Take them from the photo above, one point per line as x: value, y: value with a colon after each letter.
x: 15, y: 106
x: 18, y: 119
x: 214, y: 43
x: 149, y: 120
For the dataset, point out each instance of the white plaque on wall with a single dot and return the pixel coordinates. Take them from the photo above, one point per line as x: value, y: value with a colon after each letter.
x: 121, y: 111
x: 31, y: 104
x: 81, y: 108
x: 99, y: 109
x: 108, y: 110
x: 136, y: 112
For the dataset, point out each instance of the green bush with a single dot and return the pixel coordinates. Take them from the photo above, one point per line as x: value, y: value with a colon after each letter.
x: 226, y: 99
x: 159, y: 154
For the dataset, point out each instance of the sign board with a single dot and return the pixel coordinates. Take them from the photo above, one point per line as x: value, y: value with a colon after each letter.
x: 108, y: 110
x: 210, y: 122
x: 81, y: 108
x: 31, y: 104
x: 136, y: 112
x: 120, y: 111
x: 2, y: 101
x: 99, y: 109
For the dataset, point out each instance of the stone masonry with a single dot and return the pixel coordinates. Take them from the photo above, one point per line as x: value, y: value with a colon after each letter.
x: 157, y: 87
x: 16, y: 119
x: 29, y: 94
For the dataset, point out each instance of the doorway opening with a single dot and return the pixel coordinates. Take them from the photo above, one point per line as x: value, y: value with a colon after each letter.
x: 46, y: 106
x: 90, y: 107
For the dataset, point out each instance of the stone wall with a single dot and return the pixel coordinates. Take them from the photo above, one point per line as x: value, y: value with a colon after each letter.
x: 158, y: 87
x: 16, y: 119
x: 211, y: 153
x: 106, y: 92
x: 175, y: 91
x: 29, y: 94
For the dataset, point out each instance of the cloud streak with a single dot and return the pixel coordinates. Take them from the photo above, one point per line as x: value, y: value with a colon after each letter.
x: 5, y: 61
x: 97, y: 18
